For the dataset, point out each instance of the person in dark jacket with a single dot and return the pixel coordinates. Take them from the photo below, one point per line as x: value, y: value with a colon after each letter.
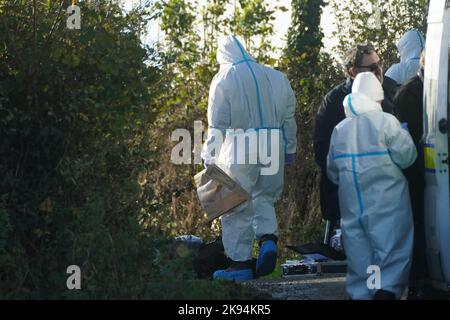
x: 361, y: 58
x: 408, y: 108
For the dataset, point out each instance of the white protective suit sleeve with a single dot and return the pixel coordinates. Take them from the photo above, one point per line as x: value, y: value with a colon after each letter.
x: 219, y: 119
x: 290, y: 126
x: 332, y: 169
x: 400, y: 144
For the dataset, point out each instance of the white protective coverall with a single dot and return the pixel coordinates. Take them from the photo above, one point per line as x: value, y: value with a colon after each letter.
x: 410, y: 47
x: 257, y: 99
x: 367, y: 153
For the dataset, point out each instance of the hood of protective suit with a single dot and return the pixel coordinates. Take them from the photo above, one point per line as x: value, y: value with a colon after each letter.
x: 411, y: 45
x: 230, y: 50
x: 367, y: 94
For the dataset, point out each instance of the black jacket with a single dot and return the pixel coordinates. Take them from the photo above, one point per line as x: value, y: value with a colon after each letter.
x: 330, y: 113
x: 408, y: 107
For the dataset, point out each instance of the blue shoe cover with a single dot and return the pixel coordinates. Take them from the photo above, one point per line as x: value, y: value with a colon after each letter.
x: 267, y: 258
x: 237, y: 275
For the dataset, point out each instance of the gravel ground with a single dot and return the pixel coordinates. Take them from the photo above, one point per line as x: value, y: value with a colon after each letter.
x: 303, y: 287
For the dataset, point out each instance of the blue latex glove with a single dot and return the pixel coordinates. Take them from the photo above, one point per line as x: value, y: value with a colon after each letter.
x: 206, y: 164
x: 289, y: 159
x: 405, y: 126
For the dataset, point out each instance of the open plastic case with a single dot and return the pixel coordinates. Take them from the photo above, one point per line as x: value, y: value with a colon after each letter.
x: 318, y: 258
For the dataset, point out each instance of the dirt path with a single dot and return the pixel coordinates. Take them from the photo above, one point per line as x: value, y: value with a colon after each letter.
x: 305, y: 287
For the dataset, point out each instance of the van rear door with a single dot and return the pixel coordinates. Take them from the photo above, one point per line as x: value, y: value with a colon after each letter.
x: 436, y: 143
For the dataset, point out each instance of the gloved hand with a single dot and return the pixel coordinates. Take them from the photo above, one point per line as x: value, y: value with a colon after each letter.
x: 206, y: 164
x: 405, y: 126
x: 289, y: 159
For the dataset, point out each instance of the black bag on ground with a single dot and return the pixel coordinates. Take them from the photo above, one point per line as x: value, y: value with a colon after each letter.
x: 210, y: 258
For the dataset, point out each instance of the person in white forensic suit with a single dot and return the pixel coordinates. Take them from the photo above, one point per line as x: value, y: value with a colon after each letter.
x: 253, y: 103
x: 410, y: 48
x: 367, y: 153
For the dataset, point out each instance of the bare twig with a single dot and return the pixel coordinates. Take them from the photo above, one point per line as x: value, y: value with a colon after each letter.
x: 54, y: 24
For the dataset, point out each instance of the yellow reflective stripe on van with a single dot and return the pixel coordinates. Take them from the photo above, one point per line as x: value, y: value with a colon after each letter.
x: 430, y: 157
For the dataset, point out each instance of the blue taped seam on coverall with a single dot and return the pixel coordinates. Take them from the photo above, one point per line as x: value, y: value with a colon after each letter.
x: 352, y: 109
x: 261, y: 118
x: 421, y: 40
x: 242, y: 61
x: 355, y: 176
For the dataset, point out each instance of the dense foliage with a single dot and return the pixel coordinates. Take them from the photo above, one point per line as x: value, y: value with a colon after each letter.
x: 86, y: 118
x: 75, y: 111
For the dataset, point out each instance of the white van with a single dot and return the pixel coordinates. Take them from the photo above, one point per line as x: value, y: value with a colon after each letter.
x: 436, y: 143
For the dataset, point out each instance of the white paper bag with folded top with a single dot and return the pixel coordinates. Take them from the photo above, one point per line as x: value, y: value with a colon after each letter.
x: 218, y: 193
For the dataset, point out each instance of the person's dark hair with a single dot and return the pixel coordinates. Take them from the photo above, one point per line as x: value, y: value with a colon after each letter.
x: 354, y: 56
